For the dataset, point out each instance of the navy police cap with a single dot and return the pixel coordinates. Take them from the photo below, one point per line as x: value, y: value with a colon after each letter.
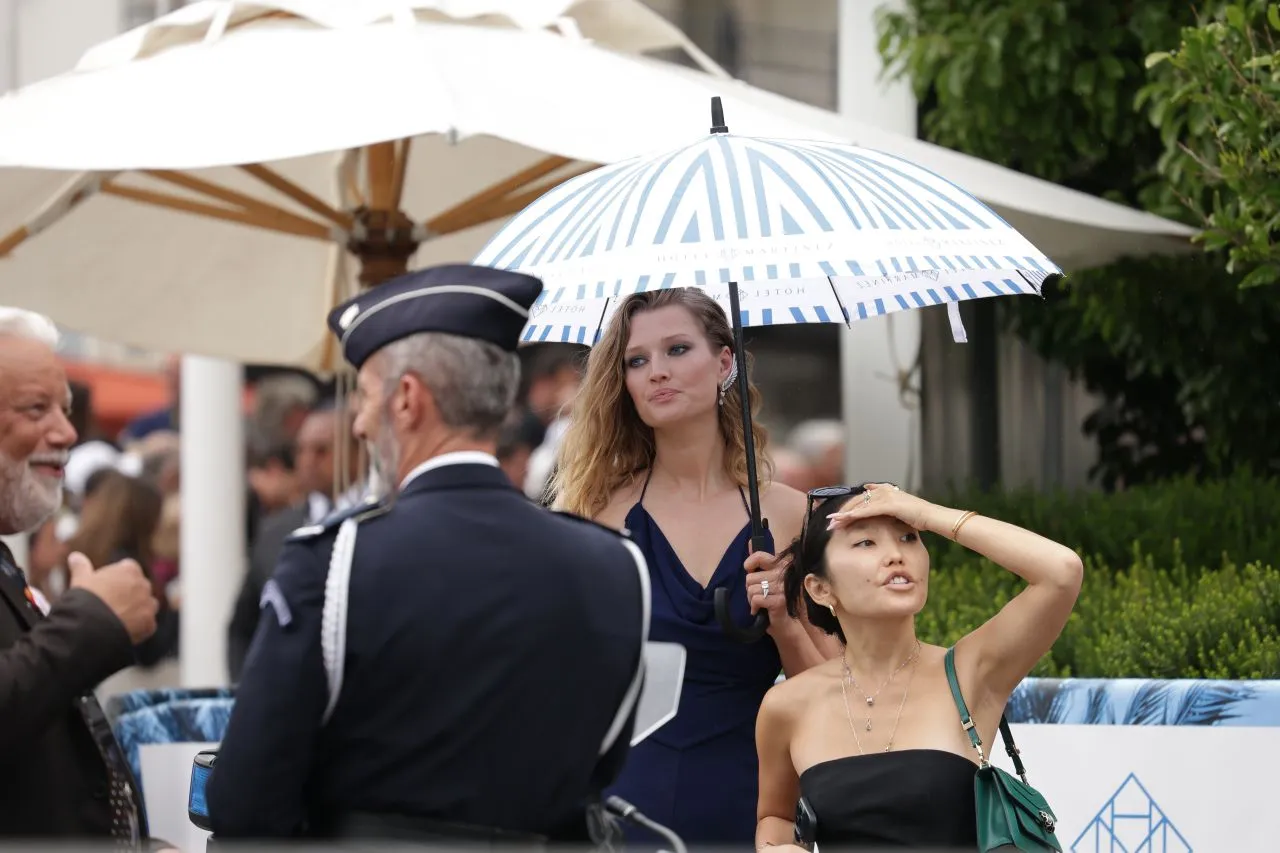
x: 459, y: 299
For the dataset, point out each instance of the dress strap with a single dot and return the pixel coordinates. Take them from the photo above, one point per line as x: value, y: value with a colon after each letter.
x: 647, y: 477
x: 745, y: 504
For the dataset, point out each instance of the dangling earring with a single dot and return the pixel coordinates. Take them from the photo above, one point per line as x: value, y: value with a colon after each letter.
x: 832, y: 608
x: 728, y: 381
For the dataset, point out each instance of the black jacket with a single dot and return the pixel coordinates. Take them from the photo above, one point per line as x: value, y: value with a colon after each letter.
x: 489, y: 646
x: 54, y: 782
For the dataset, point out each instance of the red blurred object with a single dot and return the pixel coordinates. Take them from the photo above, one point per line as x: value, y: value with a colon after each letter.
x: 118, y: 396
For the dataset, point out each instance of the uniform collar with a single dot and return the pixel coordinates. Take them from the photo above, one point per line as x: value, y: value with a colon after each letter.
x: 457, y: 457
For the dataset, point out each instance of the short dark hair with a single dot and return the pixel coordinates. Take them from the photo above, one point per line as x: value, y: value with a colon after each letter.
x: 808, y: 555
x: 261, y: 450
x: 81, y: 402
x: 545, y: 360
x: 521, y: 429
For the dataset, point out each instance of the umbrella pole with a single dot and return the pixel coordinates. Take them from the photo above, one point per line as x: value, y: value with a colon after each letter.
x: 759, y: 525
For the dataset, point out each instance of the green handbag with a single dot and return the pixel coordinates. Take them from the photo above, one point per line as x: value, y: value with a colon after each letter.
x: 1012, y: 815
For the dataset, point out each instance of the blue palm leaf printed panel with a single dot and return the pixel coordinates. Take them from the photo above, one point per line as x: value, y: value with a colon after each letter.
x: 182, y: 720
x: 1145, y: 702
x: 135, y: 700
x: 739, y: 209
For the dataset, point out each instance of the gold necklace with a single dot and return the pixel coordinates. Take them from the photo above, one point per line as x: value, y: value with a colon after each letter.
x: 892, y: 734
x: 871, y: 700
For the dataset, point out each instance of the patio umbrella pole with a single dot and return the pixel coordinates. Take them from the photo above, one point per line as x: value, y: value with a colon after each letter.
x: 759, y: 526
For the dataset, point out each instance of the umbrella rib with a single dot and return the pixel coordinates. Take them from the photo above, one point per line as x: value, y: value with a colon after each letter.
x: 517, y: 203
x: 248, y: 203
x: 470, y: 211
x: 283, y: 185
x: 13, y: 239
x: 380, y: 165
x: 399, y: 172
x: 72, y: 194
x: 302, y: 228
x: 497, y: 201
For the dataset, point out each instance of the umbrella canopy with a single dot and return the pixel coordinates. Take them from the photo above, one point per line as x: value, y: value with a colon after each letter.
x: 809, y: 232
x: 238, y: 196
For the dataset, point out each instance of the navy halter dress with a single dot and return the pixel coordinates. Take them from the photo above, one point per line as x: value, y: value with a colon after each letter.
x: 698, y: 773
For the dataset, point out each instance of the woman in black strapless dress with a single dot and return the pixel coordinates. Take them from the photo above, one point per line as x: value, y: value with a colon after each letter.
x: 867, y: 751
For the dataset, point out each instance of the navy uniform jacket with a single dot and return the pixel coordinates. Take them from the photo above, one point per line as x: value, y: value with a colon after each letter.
x: 490, y: 644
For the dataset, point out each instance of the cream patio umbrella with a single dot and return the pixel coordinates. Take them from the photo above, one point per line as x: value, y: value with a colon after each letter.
x: 226, y: 165
x: 223, y: 165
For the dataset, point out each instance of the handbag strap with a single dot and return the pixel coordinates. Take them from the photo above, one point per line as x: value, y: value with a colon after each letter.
x: 967, y: 721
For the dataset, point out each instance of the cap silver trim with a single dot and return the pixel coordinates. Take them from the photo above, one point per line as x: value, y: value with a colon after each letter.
x: 427, y: 291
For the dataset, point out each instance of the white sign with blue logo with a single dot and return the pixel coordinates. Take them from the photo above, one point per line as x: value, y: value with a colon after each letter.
x: 1154, y: 788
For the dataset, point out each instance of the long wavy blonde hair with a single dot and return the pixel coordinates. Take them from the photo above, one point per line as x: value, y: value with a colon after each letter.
x: 607, y: 444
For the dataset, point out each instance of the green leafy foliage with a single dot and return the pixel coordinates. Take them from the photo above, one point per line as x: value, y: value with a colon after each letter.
x: 1201, y: 523
x: 1043, y: 86
x: 1215, y: 99
x: 1138, y: 619
x: 1179, y: 579
x: 1179, y: 356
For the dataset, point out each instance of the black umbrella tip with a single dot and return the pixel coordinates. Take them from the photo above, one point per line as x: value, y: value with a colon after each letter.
x: 717, y: 116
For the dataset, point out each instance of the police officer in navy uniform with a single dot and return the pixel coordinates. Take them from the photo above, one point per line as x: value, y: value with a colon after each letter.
x: 450, y: 661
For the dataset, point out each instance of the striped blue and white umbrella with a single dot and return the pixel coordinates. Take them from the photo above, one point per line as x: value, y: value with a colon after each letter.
x: 810, y: 232
x: 780, y: 231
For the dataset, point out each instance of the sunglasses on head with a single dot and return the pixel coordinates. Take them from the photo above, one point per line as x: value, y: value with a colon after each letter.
x: 817, y: 497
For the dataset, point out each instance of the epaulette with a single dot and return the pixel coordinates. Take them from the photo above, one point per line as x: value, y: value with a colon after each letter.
x: 623, y: 533
x: 367, y: 508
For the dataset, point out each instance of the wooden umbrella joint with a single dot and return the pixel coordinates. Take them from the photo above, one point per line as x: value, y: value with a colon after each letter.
x: 383, y: 241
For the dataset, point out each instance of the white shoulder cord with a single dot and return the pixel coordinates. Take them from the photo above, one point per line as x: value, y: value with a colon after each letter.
x: 633, y: 692
x: 333, y: 619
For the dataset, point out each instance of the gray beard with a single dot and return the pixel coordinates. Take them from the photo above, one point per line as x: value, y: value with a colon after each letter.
x: 26, y: 501
x: 384, y: 460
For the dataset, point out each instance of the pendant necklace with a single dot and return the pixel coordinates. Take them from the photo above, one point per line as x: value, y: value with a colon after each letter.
x: 894, y: 732
x: 871, y: 700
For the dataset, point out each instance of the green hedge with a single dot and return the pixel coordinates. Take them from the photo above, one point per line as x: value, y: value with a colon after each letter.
x: 1144, y: 619
x: 1233, y: 518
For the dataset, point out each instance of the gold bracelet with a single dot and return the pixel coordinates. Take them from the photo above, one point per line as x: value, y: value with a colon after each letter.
x: 955, y: 530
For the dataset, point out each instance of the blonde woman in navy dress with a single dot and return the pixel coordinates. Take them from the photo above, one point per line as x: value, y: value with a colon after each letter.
x: 656, y: 446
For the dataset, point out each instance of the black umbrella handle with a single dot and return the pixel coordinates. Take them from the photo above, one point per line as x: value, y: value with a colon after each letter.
x: 761, y: 623
x: 742, y: 635
x: 759, y: 526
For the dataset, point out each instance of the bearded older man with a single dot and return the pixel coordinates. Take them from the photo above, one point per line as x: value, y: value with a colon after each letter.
x: 64, y: 774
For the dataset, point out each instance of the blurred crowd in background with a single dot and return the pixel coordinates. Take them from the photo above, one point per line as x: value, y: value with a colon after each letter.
x: 122, y: 496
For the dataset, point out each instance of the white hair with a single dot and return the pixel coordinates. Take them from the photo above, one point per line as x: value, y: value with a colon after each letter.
x: 812, y: 439
x: 473, y: 382
x: 21, y: 323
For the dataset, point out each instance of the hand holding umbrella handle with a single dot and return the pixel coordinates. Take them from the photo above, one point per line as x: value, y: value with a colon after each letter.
x: 761, y: 623
x: 742, y: 635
